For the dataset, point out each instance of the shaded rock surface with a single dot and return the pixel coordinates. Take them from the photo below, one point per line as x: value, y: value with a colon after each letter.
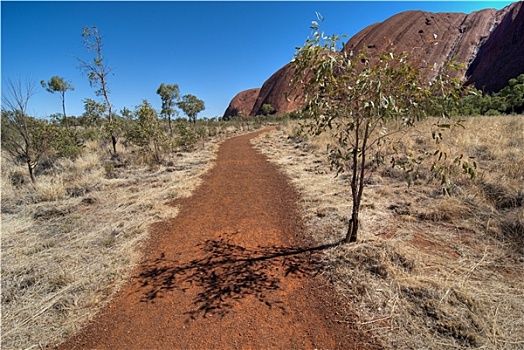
x: 489, y: 43
x: 501, y: 57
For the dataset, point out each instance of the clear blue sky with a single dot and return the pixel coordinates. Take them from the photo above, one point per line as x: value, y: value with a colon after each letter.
x: 210, y: 49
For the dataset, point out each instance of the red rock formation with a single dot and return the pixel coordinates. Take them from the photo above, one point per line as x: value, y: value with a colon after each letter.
x: 278, y: 92
x: 430, y: 38
x: 241, y: 104
x: 489, y: 42
x: 501, y: 57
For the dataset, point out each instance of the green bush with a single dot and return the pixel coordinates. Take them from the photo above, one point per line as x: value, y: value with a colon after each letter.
x: 492, y: 112
x: 66, y: 142
x: 145, y: 131
x: 186, y: 138
x: 507, y: 101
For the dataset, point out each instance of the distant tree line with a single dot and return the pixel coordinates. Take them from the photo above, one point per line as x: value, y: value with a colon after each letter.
x: 509, y: 100
x: 29, y: 140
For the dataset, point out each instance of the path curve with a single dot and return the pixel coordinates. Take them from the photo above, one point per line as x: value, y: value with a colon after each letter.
x: 229, y: 272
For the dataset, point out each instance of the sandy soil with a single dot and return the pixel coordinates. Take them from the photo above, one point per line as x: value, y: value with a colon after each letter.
x: 231, y: 271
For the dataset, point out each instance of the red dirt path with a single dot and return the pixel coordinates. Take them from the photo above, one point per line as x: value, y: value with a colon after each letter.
x: 231, y: 271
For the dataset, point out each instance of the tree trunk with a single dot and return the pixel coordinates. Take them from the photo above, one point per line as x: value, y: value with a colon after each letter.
x: 357, y: 180
x: 31, y: 166
x: 113, y: 141
x: 351, y: 235
x: 170, y: 126
x: 63, y: 105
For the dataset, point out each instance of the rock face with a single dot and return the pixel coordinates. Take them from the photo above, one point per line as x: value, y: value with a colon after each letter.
x: 501, y: 57
x: 278, y: 92
x: 241, y: 104
x: 489, y: 43
x: 429, y: 38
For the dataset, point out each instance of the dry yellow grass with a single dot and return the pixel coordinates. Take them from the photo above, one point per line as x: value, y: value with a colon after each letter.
x: 70, y: 241
x: 429, y: 271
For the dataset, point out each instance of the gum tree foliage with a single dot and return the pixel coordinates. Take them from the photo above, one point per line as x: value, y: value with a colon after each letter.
x: 360, y: 101
x: 58, y: 84
x: 23, y: 137
x: 191, y: 106
x: 97, y: 72
x: 93, y: 113
x: 169, y: 94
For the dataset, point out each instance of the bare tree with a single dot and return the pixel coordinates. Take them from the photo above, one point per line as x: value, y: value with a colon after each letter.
x: 17, y: 96
x: 23, y: 137
x: 97, y: 73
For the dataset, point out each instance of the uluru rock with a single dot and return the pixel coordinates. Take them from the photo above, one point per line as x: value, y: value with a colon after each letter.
x: 501, y: 57
x: 430, y: 38
x: 241, y: 104
x: 278, y: 92
x: 489, y: 43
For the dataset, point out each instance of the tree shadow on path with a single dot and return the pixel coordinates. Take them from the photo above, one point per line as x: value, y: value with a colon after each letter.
x: 229, y: 273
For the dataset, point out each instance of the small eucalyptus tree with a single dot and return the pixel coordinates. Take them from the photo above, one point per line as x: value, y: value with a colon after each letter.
x: 361, y: 101
x: 191, y: 106
x: 58, y: 84
x: 169, y: 94
x: 93, y: 113
x: 97, y: 73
